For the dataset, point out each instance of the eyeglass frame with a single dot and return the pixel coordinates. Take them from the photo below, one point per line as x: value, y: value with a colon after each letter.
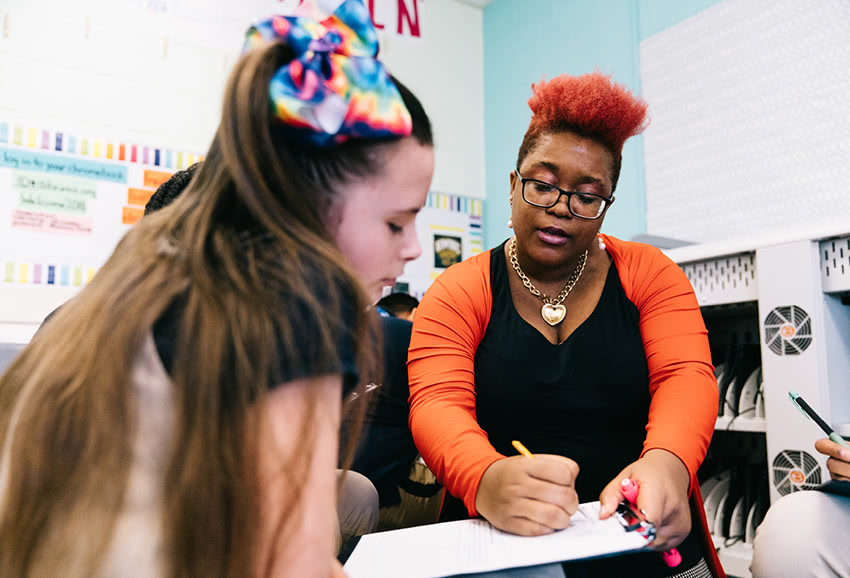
x: 561, y: 192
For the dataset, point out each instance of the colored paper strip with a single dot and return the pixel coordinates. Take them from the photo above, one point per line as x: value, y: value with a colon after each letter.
x: 131, y: 215
x: 169, y: 160
x: 122, y: 152
x: 90, y: 274
x: 156, y: 157
x: 97, y: 149
x: 64, y: 280
x: 84, y: 146
x: 23, y: 273
x: 133, y: 153
x: 72, y: 144
x: 110, y: 150
x: 62, y: 165
x: 138, y: 197
x: 51, y: 274
x: 145, y: 155
x: 9, y: 277
x: 78, y: 276
x: 179, y: 161
x: 31, y: 137
x: 58, y: 141
x: 19, y: 135
x: 154, y: 179
x: 45, y: 139
x: 4, y: 132
x: 36, y: 274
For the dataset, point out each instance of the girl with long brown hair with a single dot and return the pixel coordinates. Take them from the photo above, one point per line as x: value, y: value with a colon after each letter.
x: 180, y: 417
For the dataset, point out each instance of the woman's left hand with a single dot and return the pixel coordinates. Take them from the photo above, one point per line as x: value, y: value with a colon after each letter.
x: 663, y: 482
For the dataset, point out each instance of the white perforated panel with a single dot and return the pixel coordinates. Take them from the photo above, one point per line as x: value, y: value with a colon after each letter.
x: 750, y: 128
x: 724, y: 280
x: 835, y: 264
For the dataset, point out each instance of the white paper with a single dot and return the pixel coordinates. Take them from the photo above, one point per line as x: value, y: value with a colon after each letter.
x: 468, y: 546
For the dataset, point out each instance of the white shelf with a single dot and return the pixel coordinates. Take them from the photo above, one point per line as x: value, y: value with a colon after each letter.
x: 727, y: 423
x: 735, y: 559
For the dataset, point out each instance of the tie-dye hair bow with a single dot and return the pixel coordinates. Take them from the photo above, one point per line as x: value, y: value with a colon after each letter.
x: 335, y: 88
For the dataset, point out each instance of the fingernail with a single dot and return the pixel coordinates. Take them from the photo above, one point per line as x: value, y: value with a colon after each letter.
x: 603, y: 511
x: 845, y: 455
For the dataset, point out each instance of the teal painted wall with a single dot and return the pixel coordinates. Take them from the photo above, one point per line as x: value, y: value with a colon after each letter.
x: 527, y: 39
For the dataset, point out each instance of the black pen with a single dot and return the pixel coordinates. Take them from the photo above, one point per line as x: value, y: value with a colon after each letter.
x: 812, y: 414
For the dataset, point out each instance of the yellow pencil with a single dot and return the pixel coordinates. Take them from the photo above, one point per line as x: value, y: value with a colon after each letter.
x: 522, y: 449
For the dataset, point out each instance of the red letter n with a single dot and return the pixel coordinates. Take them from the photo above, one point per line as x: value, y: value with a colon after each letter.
x: 403, y: 13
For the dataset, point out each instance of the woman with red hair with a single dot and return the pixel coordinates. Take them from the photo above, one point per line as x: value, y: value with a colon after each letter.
x: 590, y: 350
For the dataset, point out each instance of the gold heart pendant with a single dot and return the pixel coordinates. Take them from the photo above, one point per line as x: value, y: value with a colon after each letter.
x: 553, y: 314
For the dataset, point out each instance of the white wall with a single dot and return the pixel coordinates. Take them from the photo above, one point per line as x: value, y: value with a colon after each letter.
x: 115, y: 69
x: 152, y: 72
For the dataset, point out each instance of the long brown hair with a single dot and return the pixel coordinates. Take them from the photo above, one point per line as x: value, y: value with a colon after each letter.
x: 246, y: 243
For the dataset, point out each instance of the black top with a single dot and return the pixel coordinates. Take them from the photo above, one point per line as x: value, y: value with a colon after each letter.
x: 387, y: 450
x: 586, y: 398
x: 303, y: 363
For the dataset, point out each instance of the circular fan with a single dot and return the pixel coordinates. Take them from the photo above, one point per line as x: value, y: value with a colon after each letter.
x: 795, y: 470
x: 788, y: 330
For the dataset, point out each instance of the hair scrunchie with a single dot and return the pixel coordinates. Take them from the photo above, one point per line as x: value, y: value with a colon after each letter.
x: 335, y: 88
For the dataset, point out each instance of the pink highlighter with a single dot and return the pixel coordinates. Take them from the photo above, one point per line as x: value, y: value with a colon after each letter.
x: 629, y: 488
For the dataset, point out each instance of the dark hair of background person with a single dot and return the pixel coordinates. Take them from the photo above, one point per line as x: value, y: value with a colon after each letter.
x: 67, y: 396
x: 398, y: 304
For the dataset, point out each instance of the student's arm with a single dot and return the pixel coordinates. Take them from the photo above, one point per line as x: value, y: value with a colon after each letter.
x: 306, y: 545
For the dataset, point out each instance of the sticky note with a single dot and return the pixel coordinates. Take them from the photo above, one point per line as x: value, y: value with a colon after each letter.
x: 131, y: 215
x: 138, y: 197
x: 154, y: 179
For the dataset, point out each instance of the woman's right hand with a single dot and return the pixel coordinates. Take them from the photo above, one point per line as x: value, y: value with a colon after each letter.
x: 529, y: 496
x: 839, y: 458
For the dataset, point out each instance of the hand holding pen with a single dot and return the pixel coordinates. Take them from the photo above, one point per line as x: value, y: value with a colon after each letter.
x: 663, y: 498
x: 629, y: 488
x: 528, y: 496
x: 834, y: 446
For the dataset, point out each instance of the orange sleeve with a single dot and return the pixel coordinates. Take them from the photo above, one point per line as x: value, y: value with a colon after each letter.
x: 683, y: 410
x: 448, y: 326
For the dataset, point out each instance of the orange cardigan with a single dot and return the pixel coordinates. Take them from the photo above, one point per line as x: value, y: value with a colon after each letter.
x: 450, y: 323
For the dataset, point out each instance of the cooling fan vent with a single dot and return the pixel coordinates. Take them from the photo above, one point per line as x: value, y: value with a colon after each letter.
x: 795, y: 470
x: 788, y: 330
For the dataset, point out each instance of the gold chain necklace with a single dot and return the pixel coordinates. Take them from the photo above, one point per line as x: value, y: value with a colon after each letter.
x: 553, y: 310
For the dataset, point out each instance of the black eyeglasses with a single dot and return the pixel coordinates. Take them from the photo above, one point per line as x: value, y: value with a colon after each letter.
x: 588, y: 206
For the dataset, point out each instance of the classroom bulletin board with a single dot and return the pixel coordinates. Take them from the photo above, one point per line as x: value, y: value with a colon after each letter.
x: 67, y: 199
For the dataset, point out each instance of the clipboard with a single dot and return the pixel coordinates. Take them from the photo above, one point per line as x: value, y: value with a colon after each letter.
x: 474, y: 546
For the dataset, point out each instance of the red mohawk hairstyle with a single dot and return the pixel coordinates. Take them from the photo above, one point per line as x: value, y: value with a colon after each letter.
x: 591, y: 105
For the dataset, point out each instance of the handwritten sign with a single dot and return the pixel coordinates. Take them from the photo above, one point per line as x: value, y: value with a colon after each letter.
x: 154, y: 179
x: 55, y: 164
x: 131, y: 215
x: 52, y: 223
x: 138, y: 197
